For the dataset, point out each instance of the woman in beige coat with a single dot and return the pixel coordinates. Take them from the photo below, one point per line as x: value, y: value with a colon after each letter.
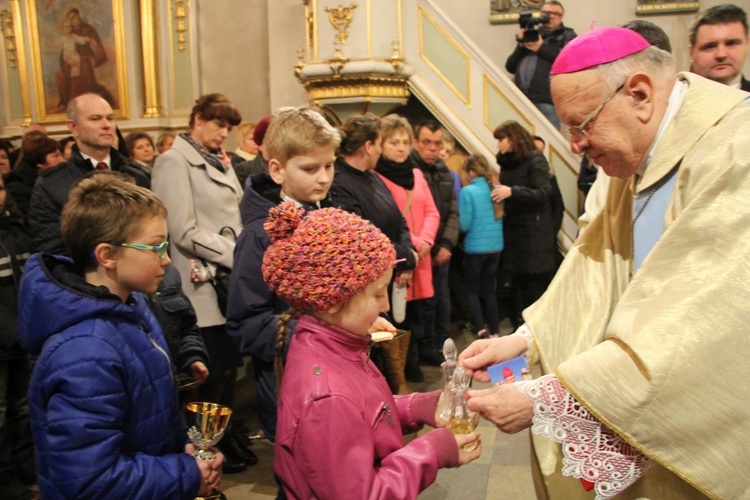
x: 202, y: 194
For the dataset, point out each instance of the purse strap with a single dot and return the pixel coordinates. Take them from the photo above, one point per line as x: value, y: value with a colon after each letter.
x: 231, y: 231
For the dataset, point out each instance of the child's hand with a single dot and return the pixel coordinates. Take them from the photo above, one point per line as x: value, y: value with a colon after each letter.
x: 210, y: 471
x: 199, y: 370
x: 464, y: 457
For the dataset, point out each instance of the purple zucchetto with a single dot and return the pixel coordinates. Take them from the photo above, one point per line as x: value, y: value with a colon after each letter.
x: 598, y: 46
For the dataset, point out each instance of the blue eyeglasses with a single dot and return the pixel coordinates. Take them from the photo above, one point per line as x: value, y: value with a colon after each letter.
x: 161, y: 249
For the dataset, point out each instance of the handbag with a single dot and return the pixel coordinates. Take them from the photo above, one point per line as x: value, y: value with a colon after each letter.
x: 220, y: 278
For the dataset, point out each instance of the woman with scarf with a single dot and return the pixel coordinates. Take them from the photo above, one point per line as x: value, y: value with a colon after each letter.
x: 195, y: 181
x: 529, y: 254
x: 414, y: 199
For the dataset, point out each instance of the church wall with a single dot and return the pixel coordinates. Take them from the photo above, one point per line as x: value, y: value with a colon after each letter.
x: 234, y: 53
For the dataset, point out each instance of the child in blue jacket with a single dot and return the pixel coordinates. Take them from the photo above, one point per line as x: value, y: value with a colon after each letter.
x: 103, y: 400
x: 482, y: 245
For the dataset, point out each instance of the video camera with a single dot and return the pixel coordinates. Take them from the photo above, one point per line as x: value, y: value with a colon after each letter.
x: 529, y: 23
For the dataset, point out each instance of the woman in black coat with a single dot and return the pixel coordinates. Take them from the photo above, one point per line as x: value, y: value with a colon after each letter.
x: 527, y: 228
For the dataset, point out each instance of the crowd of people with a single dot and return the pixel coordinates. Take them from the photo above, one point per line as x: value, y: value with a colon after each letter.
x: 131, y: 266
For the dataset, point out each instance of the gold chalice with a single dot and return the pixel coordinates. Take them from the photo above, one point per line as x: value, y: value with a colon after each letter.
x: 206, y: 425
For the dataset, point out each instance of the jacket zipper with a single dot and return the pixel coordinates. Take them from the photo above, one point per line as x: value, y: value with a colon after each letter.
x: 166, y: 356
x: 384, y: 411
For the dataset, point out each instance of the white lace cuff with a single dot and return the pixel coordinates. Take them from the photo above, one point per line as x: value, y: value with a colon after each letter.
x: 524, y: 332
x: 591, y: 452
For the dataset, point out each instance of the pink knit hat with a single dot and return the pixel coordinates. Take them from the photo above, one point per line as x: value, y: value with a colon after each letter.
x: 598, y: 46
x: 322, y: 258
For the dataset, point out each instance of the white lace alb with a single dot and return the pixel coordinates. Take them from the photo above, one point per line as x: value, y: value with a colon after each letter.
x: 591, y: 451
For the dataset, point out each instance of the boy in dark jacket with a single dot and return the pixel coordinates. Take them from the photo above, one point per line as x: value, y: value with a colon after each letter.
x: 105, y: 415
x: 301, y: 149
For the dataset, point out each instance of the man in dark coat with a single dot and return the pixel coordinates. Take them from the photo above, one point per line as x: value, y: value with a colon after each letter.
x: 428, y: 139
x: 92, y: 123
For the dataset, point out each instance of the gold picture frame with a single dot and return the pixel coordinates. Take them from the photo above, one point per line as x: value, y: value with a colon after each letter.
x: 652, y: 7
x: 77, y: 47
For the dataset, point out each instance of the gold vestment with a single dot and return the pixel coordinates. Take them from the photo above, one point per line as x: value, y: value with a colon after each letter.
x: 663, y: 359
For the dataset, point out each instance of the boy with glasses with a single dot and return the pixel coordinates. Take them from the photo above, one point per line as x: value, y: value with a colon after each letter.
x: 105, y: 414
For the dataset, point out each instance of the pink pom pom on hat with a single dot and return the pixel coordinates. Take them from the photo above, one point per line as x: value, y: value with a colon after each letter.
x: 598, y: 46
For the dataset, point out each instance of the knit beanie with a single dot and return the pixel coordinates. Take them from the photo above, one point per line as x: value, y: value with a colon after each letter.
x: 322, y: 258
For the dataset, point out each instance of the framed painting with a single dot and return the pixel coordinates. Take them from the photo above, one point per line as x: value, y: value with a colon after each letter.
x: 507, y: 11
x: 646, y: 7
x: 77, y: 47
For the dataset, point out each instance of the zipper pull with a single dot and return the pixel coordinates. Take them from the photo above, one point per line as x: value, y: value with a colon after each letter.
x: 388, y: 414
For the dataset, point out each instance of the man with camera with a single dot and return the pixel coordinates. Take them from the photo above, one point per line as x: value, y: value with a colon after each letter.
x: 540, y: 39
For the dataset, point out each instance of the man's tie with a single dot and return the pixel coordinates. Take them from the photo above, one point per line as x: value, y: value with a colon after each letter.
x: 102, y: 166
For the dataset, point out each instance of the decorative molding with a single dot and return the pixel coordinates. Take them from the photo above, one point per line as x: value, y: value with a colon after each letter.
x: 359, y: 86
x: 464, y: 96
x: 181, y: 18
x: 340, y: 18
x: 489, y: 84
x: 9, y: 33
x: 23, y: 71
x: 149, y: 31
x: 314, y: 35
x: 647, y: 7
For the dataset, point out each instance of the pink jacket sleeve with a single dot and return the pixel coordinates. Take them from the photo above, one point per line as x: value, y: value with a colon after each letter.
x: 344, y: 466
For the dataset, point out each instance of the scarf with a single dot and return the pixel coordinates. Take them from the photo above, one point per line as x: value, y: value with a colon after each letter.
x: 508, y: 160
x: 217, y: 160
x: 401, y: 174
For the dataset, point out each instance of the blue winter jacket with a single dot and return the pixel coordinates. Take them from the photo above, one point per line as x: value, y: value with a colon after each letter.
x: 484, y: 233
x: 103, y: 400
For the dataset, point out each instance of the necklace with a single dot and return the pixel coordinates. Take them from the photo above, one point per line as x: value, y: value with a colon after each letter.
x: 643, y: 207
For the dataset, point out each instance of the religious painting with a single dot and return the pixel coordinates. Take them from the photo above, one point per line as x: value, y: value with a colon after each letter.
x: 507, y: 11
x: 646, y: 7
x: 77, y: 48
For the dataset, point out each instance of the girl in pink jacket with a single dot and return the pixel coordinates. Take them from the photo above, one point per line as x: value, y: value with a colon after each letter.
x: 340, y: 431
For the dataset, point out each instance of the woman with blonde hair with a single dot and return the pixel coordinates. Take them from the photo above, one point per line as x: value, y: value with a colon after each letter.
x: 413, y: 196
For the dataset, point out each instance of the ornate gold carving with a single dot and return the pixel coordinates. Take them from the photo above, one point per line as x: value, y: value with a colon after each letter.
x: 300, y: 61
x: 310, y: 29
x: 337, y: 62
x: 181, y: 16
x: 9, y: 32
x: 360, y: 86
x: 340, y: 18
x: 397, y: 58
